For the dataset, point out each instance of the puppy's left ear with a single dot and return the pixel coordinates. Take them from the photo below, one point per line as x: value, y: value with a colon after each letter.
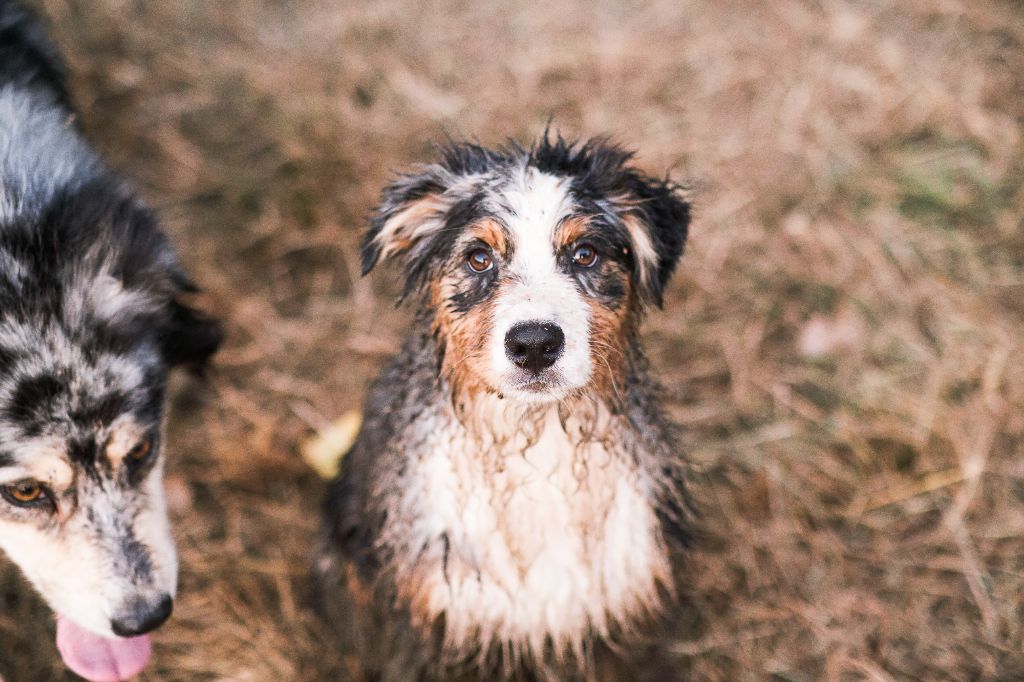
x: 413, y: 210
x: 188, y: 337
x: 658, y: 220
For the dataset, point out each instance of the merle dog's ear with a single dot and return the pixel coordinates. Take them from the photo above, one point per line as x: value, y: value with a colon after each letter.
x: 658, y: 218
x: 188, y: 337
x: 146, y: 261
x: 412, y: 210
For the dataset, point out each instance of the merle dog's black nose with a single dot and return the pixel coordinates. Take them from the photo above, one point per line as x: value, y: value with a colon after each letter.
x: 534, y: 345
x: 142, y: 617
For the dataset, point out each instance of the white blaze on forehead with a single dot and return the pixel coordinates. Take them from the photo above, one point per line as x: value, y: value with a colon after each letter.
x: 532, y: 205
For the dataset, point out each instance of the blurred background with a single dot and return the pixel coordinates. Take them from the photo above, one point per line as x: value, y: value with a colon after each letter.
x: 843, y: 344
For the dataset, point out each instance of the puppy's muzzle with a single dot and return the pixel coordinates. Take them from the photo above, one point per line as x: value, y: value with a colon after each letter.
x: 534, y: 346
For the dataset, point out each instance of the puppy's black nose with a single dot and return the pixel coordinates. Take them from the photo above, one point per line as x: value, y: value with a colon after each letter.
x: 534, y: 345
x: 142, y: 617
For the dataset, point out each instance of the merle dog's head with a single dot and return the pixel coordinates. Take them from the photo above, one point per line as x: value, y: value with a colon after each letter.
x: 90, y: 322
x: 534, y: 264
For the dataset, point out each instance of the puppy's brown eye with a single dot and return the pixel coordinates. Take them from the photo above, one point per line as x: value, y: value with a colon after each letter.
x: 585, y: 256
x: 24, y: 493
x: 479, y: 260
x: 142, y: 450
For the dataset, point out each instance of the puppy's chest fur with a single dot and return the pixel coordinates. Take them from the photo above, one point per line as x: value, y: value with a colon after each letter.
x: 519, y: 527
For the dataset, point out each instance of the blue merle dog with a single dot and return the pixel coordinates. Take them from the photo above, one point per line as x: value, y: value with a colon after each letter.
x: 91, y: 321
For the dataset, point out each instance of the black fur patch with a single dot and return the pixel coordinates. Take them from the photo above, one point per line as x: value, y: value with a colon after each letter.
x: 477, y: 287
x: 101, y: 410
x: 8, y: 359
x: 84, y: 452
x: 605, y: 281
x: 30, y: 401
x: 189, y: 338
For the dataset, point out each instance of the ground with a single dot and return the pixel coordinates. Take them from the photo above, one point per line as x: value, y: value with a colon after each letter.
x: 842, y: 346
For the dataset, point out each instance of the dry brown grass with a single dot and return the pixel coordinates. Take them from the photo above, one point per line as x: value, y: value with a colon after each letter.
x: 843, y: 344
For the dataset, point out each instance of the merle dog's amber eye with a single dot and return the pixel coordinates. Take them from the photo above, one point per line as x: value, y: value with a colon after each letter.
x: 585, y: 256
x: 25, y: 492
x: 479, y: 260
x: 142, y: 450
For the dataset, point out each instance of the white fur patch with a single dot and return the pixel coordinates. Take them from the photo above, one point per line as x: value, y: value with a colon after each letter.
x: 645, y: 254
x: 557, y: 539
x: 105, y: 297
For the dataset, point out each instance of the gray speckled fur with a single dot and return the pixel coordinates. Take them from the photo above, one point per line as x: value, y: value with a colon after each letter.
x: 90, y: 326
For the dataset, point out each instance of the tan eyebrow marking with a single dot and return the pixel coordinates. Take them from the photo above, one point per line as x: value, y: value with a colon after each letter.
x: 491, y: 233
x: 42, y: 459
x: 571, y: 229
x: 51, y: 468
x: 125, y: 434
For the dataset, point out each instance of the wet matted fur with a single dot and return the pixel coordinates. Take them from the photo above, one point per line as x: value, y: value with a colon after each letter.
x: 514, y: 505
x: 91, y: 321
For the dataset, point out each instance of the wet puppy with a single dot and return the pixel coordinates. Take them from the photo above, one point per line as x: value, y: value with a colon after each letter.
x: 90, y: 324
x: 514, y: 503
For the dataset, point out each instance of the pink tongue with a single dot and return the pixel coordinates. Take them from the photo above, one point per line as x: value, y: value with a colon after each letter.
x: 101, y: 659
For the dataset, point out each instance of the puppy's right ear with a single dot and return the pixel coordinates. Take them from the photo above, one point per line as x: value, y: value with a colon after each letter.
x: 412, y: 210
